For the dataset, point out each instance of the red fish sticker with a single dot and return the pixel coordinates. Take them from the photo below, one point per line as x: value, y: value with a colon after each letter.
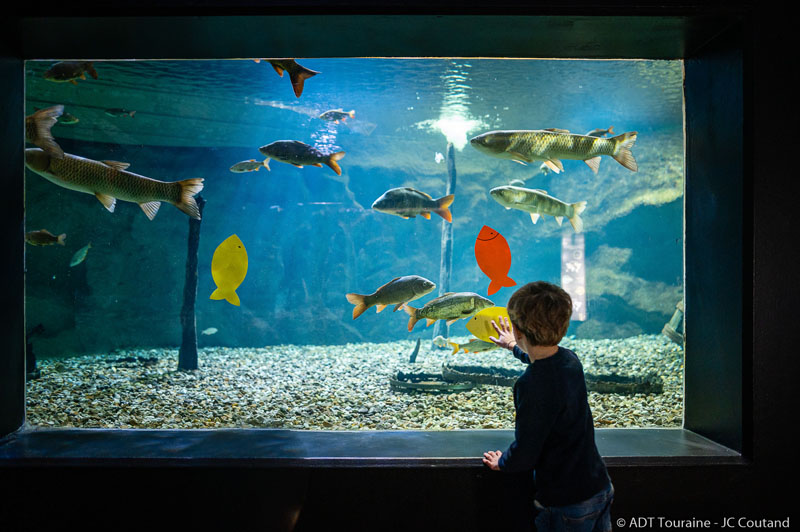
x: 494, y: 258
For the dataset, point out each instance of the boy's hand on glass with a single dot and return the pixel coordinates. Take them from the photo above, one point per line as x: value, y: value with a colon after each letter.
x: 492, y: 459
x: 505, y: 335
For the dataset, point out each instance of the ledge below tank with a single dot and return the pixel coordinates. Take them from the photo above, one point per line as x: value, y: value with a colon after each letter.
x: 293, y: 448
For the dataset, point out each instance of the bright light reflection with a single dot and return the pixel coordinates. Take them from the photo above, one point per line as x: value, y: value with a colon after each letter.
x: 455, y: 128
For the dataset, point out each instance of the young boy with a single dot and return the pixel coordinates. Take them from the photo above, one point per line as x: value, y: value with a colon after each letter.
x: 554, y: 431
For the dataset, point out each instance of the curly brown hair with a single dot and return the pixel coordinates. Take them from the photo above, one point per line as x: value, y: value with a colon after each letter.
x: 541, y: 311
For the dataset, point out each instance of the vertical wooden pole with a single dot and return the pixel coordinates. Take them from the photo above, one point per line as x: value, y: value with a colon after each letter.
x: 446, y: 262
x: 187, y: 355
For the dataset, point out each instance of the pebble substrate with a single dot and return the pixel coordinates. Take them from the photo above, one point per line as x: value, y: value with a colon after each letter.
x: 328, y: 387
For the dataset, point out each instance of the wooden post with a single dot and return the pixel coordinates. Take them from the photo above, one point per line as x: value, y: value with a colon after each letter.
x: 187, y: 355
x: 446, y: 262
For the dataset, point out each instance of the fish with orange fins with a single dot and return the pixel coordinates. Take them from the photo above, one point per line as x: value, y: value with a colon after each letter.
x: 299, y: 154
x: 494, y: 258
x: 70, y: 71
x: 298, y: 74
x: 398, y: 291
x: 407, y: 202
x: 335, y: 115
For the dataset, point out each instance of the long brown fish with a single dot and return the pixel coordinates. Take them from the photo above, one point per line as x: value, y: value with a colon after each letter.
x: 398, y: 291
x: 551, y: 145
x: 109, y: 181
x: 37, y: 130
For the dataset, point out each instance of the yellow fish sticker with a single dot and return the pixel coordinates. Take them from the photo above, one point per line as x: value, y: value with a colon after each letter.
x: 228, y: 269
x: 480, y: 325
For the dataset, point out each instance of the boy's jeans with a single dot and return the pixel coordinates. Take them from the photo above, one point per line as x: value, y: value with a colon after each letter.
x: 591, y: 515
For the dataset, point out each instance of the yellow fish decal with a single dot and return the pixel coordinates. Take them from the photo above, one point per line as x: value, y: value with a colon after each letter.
x: 228, y: 269
x: 480, y: 325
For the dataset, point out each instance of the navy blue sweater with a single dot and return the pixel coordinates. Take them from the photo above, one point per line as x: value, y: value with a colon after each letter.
x: 554, y: 432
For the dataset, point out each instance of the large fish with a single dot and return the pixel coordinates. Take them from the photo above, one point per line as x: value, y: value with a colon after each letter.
x: 407, y: 202
x: 37, y: 130
x: 451, y: 306
x: 396, y: 292
x: 299, y: 153
x: 109, y: 181
x: 70, y: 71
x: 537, y: 202
x: 552, y: 145
x: 298, y: 74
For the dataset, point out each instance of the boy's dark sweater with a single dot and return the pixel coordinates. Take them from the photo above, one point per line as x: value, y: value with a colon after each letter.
x: 554, y: 432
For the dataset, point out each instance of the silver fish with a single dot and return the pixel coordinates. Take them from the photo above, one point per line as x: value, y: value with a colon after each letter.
x: 537, y: 202
x: 451, y: 306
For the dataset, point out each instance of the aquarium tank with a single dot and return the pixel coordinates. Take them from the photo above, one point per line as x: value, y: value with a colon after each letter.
x: 318, y: 243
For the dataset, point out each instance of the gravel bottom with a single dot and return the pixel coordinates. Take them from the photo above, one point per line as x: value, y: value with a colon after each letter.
x: 342, y: 387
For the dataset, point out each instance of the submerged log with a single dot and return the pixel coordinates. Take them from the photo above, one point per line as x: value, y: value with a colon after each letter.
x: 187, y: 355
x: 446, y: 262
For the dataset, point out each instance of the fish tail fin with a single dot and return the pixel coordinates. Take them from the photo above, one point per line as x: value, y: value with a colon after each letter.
x: 411, y: 311
x: 623, y: 154
x: 575, y: 220
x: 62, y: 239
x: 352, y: 114
x: 190, y: 187
x: 299, y: 78
x: 132, y: 113
x: 266, y: 163
x: 455, y: 347
x: 90, y: 69
x: 228, y: 295
x: 43, y: 121
x: 610, y: 130
x: 443, y: 209
x: 331, y: 161
x: 358, y: 301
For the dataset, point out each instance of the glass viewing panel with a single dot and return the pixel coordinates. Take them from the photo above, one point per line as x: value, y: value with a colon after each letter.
x: 286, y: 251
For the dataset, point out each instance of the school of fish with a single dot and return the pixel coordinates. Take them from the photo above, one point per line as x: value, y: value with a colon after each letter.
x: 110, y: 181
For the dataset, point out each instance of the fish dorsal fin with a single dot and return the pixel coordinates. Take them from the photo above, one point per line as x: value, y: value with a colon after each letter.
x: 107, y: 201
x: 150, y: 208
x: 421, y: 193
x: 117, y: 165
x: 556, y: 130
x: 539, y: 190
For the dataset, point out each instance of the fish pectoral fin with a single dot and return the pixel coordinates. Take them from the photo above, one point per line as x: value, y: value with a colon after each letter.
x: 107, y: 201
x: 150, y: 208
x: 559, y: 219
x: 534, y: 217
x: 594, y: 163
x: 117, y: 165
x: 518, y: 157
x: 425, y: 215
x: 555, y: 165
x: 379, y: 308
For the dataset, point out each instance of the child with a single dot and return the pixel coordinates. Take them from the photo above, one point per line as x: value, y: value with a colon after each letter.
x: 554, y: 431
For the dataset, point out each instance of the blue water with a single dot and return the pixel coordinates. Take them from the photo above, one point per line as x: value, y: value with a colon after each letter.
x: 311, y: 235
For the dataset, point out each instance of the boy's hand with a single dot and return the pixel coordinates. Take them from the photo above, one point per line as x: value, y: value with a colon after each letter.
x: 505, y: 336
x: 492, y: 459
